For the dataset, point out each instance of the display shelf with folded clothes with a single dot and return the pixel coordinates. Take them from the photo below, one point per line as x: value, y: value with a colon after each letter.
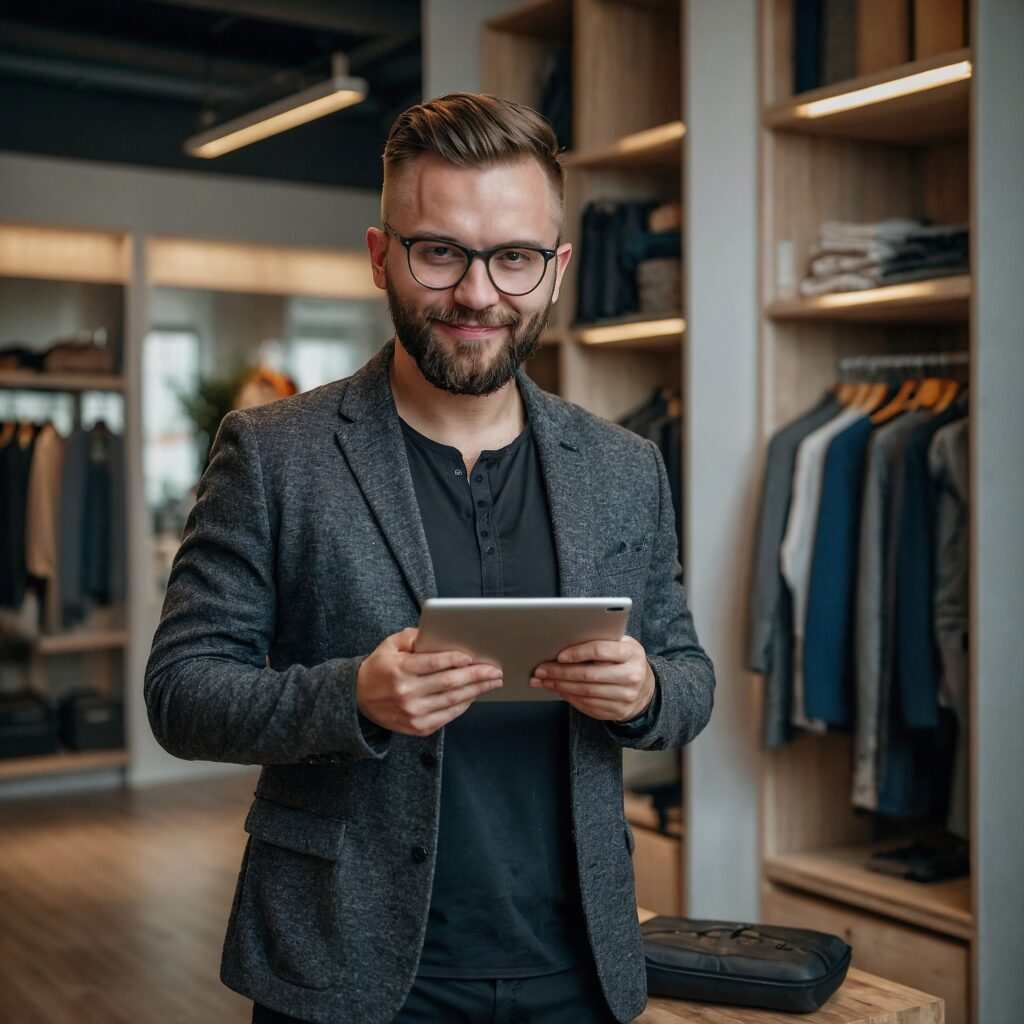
x: 850, y: 256
x: 630, y: 261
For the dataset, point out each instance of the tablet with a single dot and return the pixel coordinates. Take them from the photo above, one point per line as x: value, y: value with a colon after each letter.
x: 518, y: 633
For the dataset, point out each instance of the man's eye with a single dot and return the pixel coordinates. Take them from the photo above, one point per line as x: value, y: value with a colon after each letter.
x: 516, y: 257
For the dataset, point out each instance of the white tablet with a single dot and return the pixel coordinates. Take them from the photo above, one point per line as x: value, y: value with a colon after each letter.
x: 519, y: 633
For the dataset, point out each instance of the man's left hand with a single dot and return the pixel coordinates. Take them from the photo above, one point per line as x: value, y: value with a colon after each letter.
x: 610, y: 680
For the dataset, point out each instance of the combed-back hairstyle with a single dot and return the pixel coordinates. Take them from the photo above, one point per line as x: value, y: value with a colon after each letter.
x: 472, y: 130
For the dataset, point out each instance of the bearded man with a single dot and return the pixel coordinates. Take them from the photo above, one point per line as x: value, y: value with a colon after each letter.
x: 415, y: 855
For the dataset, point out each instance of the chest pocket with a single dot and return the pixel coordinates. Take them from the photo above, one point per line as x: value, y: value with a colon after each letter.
x: 629, y: 556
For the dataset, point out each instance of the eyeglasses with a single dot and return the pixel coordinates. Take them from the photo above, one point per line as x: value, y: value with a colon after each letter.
x: 439, y: 264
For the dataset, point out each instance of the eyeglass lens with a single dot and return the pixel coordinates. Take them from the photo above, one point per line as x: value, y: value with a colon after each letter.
x: 515, y: 271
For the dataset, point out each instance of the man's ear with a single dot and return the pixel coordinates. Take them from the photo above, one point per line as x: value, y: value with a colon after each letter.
x: 377, y: 245
x: 561, y: 262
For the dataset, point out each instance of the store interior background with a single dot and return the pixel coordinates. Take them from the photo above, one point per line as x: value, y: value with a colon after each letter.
x: 80, y: 158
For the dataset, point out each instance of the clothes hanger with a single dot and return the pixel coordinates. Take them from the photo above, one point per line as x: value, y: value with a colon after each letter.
x: 950, y: 390
x: 928, y: 393
x: 7, y: 431
x: 900, y: 402
x: 875, y: 397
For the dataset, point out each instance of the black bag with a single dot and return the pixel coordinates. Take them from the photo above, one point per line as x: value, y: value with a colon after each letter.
x: 91, y: 721
x: 28, y: 725
x: 764, y: 966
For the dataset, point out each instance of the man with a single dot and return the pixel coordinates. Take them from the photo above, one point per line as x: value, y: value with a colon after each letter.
x: 415, y: 856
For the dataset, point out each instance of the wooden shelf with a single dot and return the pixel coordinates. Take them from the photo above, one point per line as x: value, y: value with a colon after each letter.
x: 655, y: 148
x: 641, y: 331
x: 936, y: 114
x: 640, y: 811
x: 840, y: 873
x: 552, y: 337
x: 64, y: 763
x: 546, y: 19
x: 30, y: 380
x: 76, y: 643
x: 940, y: 300
x: 64, y: 254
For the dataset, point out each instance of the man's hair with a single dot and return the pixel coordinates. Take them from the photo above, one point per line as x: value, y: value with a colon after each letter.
x: 472, y: 130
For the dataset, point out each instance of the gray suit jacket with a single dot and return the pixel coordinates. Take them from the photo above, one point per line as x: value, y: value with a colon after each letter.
x: 304, y: 551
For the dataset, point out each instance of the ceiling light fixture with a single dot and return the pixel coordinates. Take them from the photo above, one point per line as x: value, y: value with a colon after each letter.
x: 337, y: 92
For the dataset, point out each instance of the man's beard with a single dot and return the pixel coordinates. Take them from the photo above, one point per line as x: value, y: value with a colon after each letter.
x: 463, y: 369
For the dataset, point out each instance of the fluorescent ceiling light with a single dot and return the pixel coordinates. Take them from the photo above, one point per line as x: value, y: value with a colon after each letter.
x: 919, y: 82
x: 634, y: 330
x: 337, y: 92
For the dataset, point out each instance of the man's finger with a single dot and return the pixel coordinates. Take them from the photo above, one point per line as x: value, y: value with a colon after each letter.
x: 437, y: 661
x: 597, y: 650
x: 609, y: 672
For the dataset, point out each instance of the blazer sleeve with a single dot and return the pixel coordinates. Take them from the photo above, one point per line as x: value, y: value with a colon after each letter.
x: 684, y: 675
x: 209, y: 692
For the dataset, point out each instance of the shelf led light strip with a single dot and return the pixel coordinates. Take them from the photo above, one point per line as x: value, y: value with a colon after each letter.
x: 632, y: 331
x: 337, y: 92
x: 919, y: 82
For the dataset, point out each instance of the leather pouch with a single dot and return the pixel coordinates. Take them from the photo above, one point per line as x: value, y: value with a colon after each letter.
x: 764, y: 966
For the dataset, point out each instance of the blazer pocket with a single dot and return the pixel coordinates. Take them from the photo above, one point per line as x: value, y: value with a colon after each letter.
x: 291, y: 894
x: 630, y: 556
x: 295, y: 829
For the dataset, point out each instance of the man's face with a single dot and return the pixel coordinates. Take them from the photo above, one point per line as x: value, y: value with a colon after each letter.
x: 469, y: 339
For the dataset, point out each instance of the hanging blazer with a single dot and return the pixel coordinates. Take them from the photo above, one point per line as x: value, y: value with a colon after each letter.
x: 304, y: 550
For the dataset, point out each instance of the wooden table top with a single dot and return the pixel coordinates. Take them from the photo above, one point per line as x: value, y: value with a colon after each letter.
x: 862, y: 999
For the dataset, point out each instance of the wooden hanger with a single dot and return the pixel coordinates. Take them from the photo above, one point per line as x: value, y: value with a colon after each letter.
x: 950, y: 389
x: 928, y: 393
x: 875, y: 397
x: 899, y: 403
x: 7, y: 430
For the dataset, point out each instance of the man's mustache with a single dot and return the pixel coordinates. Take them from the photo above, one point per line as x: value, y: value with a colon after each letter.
x: 459, y: 316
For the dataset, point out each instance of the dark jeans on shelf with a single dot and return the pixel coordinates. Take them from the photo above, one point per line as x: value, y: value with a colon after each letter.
x: 568, y: 997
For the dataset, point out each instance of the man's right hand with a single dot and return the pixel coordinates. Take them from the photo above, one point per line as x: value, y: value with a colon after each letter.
x: 417, y: 694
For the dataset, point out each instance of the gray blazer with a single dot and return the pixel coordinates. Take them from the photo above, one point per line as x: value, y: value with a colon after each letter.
x: 304, y: 551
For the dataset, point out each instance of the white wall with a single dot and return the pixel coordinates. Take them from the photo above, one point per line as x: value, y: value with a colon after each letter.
x: 720, y: 94
x: 997, y: 472
x: 150, y: 202
x: 451, y: 43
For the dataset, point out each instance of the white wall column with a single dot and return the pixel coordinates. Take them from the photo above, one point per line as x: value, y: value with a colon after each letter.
x: 997, y: 472
x: 720, y: 91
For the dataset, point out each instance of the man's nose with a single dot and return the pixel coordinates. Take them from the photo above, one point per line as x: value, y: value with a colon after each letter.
x: 475, y: 290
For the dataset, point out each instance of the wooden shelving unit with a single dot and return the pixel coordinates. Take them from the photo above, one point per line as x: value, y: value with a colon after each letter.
x: 934, y: 114
x: 840, y: 873
x: 941, y: 300
x: 65, y: 763
x: 652, y: 148
x: 29, y: 380
x: 627, y: 144
x: 84, y: 271
x: 896, y: 156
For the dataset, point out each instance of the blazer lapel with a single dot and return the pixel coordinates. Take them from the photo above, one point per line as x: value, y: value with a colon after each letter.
x: 374, y: 448
x: 568, y: 486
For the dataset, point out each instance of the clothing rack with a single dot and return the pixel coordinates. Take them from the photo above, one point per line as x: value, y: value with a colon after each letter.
x: 860, y: 366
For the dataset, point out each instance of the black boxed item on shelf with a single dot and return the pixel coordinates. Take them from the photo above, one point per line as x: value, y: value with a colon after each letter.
x: 91, y: 721
x: 28, y: 725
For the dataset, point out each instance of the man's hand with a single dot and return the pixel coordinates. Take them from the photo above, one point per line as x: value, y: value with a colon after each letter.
x: 417, y: 694
x: 610, y: 680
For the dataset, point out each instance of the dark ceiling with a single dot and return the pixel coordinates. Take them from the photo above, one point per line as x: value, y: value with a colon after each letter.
x: 129, y: 80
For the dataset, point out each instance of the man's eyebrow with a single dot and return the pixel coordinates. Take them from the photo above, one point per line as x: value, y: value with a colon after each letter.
x: 439, y: 236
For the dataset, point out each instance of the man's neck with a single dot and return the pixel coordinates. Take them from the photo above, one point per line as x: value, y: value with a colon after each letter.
x: 470, y: 423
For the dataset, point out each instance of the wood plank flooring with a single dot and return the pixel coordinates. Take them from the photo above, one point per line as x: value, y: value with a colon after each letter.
x: 113, y: 904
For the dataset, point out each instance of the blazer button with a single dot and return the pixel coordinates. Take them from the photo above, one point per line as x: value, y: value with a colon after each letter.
x: 427, y: 759
x: 419, y: 854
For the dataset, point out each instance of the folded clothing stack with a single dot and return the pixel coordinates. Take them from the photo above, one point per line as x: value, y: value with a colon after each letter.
x: 850, y: 256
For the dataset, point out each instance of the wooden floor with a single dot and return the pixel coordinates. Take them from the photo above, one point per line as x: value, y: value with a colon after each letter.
x: 113, y: 905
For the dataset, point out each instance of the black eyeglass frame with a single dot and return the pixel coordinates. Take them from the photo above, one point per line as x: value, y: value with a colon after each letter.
x: 471, y: 254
